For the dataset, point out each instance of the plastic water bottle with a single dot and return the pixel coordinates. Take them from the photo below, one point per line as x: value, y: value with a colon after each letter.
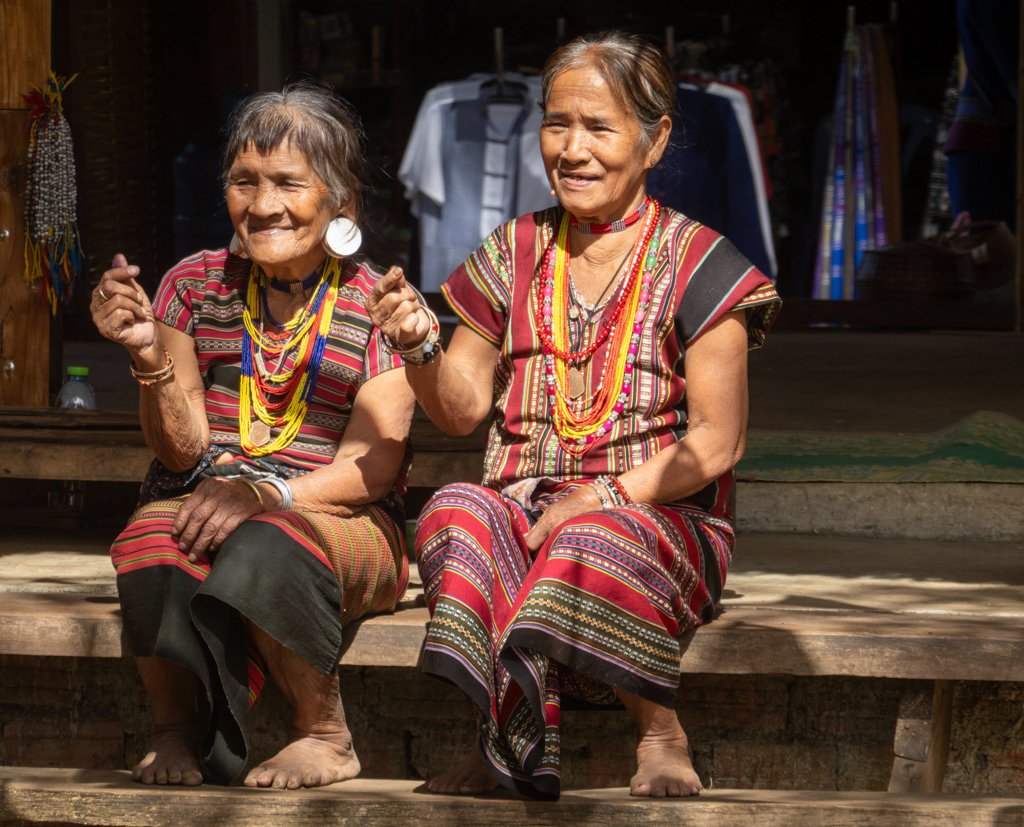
x: 77, y: 392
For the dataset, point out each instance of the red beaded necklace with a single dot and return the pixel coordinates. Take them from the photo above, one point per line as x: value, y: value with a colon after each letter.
x: 545, y: 293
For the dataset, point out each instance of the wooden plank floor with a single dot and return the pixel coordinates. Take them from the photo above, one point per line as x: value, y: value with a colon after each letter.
x: 800, y: 605
x: 36, y: 796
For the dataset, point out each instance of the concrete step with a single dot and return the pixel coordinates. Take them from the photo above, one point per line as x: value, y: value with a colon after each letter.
x: 101, y: 798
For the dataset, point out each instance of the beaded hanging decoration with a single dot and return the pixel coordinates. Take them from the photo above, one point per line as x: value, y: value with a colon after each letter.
x: 281, y: 399
x: 581, y: 422
x: 53, y: 250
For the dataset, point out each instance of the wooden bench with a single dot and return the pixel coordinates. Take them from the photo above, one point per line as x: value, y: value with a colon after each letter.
x: 105, y: 446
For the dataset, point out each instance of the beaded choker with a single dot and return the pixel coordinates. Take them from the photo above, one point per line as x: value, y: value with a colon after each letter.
x: 297, y: 286
x: 615, y: 226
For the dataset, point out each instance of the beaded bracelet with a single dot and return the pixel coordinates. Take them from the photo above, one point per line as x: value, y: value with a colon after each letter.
x: 423, y: 353
x: 147, y: 378
x: 616, y: 489
x: 601, y: 495
x: 621, y: 489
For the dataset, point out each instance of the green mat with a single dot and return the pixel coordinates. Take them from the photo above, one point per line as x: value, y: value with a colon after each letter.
x: 984, y: 447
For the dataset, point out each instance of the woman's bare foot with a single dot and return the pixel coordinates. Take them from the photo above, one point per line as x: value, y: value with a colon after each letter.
x: 172, y: 757
x: 309, y: 760
x: 468, y: 777
x: 664, y: 767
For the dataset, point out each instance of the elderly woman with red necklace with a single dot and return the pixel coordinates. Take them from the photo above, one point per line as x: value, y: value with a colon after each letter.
x: 273, y: 514
x: 607, y: 340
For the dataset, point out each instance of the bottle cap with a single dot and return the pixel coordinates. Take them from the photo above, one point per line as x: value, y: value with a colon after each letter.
x: 78, y: 371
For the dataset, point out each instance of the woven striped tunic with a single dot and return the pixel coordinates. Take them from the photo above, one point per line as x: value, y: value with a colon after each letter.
x: 300, y: 576
x: 604, y: 601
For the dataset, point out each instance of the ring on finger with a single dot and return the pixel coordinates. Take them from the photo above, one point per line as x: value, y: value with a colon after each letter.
x: 104, y: 296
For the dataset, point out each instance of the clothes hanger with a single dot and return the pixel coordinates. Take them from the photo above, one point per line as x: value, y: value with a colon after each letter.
x: 511, y: 92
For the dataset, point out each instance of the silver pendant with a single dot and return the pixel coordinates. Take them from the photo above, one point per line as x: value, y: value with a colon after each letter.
x: 576, y: 384
x: 260, y: 433
x: 574, y: 312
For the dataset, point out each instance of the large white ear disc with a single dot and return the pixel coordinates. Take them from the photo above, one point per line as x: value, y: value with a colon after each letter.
x: 234, y: 244
x: 343, y: 237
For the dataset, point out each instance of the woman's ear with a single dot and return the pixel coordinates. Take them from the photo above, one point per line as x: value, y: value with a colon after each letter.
x: 348, y: 210
x: 658, y: 145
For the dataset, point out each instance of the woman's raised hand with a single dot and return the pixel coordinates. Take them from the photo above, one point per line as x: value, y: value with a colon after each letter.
x: 395, y: 308
x: 120, y: 308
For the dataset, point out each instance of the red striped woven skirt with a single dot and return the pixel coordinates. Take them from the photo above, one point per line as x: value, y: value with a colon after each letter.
x: 299, y: 576
x: 602, y: 605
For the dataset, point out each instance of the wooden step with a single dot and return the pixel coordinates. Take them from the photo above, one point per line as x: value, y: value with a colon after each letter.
x: 100, y: 798
x: 43, y: 443
x: 792, y: 605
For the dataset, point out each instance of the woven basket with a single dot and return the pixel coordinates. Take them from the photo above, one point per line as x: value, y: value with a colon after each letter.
x: 992, y: 247
x: 914, y: 271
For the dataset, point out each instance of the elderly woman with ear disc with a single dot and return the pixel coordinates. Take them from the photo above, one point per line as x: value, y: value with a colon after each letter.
x: 273, y: 513
x: 607, y: 339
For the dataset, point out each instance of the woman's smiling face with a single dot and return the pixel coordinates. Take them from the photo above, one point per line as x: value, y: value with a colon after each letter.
x: 593, y: 147
x: 280, y: 209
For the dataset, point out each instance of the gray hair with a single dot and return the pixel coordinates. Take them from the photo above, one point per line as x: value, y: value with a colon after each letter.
x: 320, y: 124
x: 636, y: 70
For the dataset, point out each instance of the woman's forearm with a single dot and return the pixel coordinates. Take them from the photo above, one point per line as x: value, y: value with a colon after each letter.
x: 686, y: 467
x: 340, y: 489
x: 172, y: 429
x: 370, y: 455
x: 170, y: 426
x: 453, y: 401
x: 716, y: 396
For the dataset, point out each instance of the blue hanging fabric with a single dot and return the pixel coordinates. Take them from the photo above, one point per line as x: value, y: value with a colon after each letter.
x: 853, y: 218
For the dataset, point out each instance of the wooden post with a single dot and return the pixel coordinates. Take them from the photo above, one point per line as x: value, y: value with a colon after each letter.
x: 1020, y: 179
x: 24, y: 318
x: 921, y: 745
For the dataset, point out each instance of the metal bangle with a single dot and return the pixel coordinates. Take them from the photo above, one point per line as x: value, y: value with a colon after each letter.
x: 252, y: 487
x: 283, y: 489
